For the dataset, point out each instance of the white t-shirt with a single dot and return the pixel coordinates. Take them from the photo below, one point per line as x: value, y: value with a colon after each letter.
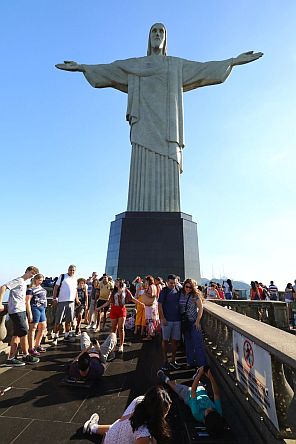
x: 121, y: 432
x: 226, y: 288
x: 17, y: 295
x: 68, y: 288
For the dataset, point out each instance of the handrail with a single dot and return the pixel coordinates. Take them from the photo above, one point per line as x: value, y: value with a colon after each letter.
x: 219, y: 325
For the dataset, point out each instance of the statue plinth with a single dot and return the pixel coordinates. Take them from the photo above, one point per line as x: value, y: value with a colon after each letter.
x: 156, y: 243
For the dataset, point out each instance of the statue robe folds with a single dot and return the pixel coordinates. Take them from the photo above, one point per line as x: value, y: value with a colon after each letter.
x: 155, y: 86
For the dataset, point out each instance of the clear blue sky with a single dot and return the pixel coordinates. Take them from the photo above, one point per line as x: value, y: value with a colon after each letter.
x: 65, y: 148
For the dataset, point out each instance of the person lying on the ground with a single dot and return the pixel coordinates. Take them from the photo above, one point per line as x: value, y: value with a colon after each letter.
x: 91, y: 361
x: 143, y: 422
x: 196, y: 397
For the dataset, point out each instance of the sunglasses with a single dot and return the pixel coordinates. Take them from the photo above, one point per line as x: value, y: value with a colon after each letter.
x: 188, y: 286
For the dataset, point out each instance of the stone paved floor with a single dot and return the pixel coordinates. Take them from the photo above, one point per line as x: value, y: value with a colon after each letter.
x: 38, y: 409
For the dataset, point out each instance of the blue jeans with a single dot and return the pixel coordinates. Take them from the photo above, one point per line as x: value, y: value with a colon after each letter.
x: 194, y: 345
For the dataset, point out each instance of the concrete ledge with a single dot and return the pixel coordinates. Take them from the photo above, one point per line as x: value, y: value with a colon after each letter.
x: 272, y: 339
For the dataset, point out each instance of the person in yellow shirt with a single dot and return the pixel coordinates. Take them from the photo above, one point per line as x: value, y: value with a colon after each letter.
x: 105, y: 288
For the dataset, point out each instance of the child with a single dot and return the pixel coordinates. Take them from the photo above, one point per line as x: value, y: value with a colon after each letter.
x: 81, y: 303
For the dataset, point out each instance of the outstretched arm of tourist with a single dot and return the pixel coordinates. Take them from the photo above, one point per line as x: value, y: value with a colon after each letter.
x: 246, y: 57
x: 215, y: 387
x: 69, y: 65
x: 136, y: 301
x: 106, y: 303
x: 2, y: 293
x: 196, y: 382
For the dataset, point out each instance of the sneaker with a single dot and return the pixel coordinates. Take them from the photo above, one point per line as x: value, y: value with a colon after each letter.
x: 77, y: 332
x: 120, y: 349
x: 34, y: 352
x: 88, y: 327
x: 165, y: 367
x: 111, y: 356
x: 55, y: 341
x: 162, y: 376
x: 14, y: 362
x: 94, y: 419
x: 41, y: 349
x: 174, y: 365
x: 30, y: 360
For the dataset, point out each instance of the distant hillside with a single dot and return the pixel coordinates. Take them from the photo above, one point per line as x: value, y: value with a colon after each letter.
x: 238, y: 285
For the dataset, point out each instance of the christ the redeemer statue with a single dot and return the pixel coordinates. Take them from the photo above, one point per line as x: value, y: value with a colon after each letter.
x: 155, y: 86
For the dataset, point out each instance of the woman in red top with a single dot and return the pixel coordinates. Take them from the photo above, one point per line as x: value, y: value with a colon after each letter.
x: 256, y: 292
x: 118, y: 298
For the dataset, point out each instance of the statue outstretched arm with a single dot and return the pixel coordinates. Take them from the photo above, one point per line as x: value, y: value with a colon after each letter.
x: 246, y: 57
x: 109, y: 75
x: 70, y: 66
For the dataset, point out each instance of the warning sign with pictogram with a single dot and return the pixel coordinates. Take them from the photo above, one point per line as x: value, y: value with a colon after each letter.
x: 253, y: 372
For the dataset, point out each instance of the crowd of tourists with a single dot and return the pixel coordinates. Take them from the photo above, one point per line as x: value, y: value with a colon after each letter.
x: 169, y: 309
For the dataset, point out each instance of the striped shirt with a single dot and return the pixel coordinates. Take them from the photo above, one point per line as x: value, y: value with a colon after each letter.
x: 191, y: 309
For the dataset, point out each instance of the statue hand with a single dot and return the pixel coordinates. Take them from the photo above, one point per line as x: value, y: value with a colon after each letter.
x: 70, y: 66
x: 246, y: 57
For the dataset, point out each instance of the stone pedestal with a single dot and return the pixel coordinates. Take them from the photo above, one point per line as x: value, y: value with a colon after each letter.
x: 156, y: 243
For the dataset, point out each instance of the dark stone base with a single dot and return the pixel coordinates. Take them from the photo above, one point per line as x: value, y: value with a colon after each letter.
x: 156, y: 243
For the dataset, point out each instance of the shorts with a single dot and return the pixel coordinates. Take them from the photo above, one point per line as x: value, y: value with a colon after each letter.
x: 20, y: 324
x: 79, y: 310
x: 101, y: 302
x: 183, y: 391
x: 64, y: 309
x: 38, y: 314
x: 118, y: 312
x: 171, y: 331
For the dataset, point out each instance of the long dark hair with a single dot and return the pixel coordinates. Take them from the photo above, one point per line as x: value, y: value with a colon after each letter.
x: 152, y: 412
x: 120, y: 284
x: 229, y: 284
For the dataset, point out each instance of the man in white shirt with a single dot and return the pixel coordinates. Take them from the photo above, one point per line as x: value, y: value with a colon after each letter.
x: 17, y: 313
x: 65, y: 294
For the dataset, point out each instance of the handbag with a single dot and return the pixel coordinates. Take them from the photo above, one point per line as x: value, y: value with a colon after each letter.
x: 185, y: 322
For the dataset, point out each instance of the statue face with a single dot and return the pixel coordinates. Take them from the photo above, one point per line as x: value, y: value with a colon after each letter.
x: 157, y: 36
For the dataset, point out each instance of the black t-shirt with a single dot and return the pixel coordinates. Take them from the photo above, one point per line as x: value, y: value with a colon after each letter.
x: 81, y: 295
x: 96, y: 368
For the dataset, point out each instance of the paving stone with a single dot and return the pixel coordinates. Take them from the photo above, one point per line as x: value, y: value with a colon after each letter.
x: 11, y: 428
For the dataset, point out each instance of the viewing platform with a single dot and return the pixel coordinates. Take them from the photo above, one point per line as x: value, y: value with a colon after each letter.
x: 40, y: 409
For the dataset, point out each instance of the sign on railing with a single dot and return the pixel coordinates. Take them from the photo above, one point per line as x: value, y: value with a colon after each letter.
x: 253, y: 371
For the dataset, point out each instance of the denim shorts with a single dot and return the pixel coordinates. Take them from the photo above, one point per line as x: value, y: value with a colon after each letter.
x: 171, y: 331
x: 38, y: 314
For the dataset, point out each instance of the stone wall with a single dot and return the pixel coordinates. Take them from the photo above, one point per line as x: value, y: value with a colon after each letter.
x: 218, y: 324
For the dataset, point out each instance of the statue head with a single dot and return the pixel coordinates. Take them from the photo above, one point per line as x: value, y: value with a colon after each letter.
x: 157, y: 39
